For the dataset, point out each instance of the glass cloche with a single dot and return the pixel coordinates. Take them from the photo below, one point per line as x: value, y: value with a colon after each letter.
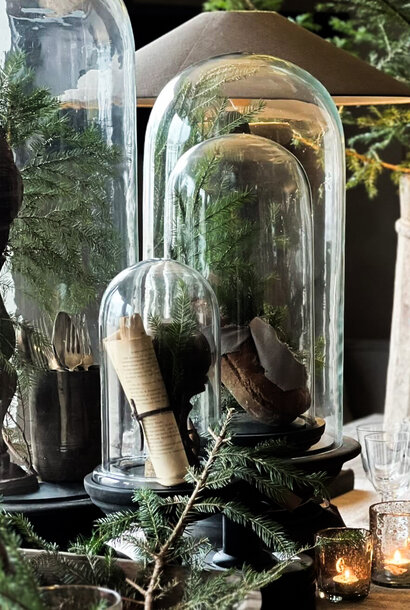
x: 238, y: 209
x: 159, y: 330
x: 262, y: 96
x: 67, y: 75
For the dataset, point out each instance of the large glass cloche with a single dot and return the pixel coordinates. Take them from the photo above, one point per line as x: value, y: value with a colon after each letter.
x: 265, y: 97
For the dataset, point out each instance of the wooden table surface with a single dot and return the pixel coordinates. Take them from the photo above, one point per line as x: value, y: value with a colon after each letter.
x: 379, y: 598
x: 354, y: 508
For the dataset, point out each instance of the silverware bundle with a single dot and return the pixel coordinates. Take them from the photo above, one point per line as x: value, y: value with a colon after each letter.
x: 68, y: 349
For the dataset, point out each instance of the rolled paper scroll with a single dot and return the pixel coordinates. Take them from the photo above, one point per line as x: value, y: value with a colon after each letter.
x: 133, y: 357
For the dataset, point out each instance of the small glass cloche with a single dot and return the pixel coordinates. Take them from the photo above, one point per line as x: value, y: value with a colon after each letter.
x: 159, y: 331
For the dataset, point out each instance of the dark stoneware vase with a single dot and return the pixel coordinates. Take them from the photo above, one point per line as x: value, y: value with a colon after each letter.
x: 65, y: 423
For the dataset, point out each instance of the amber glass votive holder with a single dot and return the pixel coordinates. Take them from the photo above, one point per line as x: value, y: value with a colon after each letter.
x: 343, y: 563
x: 390, y: 529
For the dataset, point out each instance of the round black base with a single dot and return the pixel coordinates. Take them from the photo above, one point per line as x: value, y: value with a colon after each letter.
x: 52, y: 505
x: 390, y: 585
x: 330, y: 461
x: 300, y: 435
x: 225, y: 561
x: 112, y: 499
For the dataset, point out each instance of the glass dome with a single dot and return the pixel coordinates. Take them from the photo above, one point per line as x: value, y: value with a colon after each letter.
x: 159, y: 331
x: 238, y: 209
x: 68, y: 67
x: 267, y: 97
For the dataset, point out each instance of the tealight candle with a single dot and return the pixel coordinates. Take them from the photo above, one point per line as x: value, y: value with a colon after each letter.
x: 343, y: 563
x: 345, y: 575
x: 390, y: 528
x: 397, y: 564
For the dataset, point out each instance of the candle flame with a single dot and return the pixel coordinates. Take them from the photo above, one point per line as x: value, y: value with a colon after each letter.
x: 397, y: 564
x: 345, y: 576
x: 398, y: 558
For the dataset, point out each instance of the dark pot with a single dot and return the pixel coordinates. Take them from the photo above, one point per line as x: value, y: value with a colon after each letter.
x: 65, y: 421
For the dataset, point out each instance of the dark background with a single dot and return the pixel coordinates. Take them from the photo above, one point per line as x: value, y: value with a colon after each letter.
x: 370, y: 234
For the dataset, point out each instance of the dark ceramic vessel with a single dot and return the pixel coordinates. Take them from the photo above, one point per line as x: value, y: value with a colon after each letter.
x: 65, y: 422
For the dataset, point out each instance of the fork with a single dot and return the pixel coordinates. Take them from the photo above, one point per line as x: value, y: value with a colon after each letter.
x: 35, y: 353
x: 46, y: 347
x: 85, y: 342
x: 72, y: 353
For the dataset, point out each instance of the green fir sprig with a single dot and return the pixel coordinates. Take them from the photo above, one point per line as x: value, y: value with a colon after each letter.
x: 18, y: 583
x: 63, y: 241
x: 171, y: 561
x: 203, y: 106
x: 157, y: 526
x: 177, y: 343
x: 228, y: 237
x: 377, y: 31
x: 242, y: 5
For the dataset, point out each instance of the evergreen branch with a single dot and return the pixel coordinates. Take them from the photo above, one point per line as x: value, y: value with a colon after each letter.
x: 350, y: 152
x: 378, y: 30
x: 15, y: 599
x: 371, y: 7
x: 191, y: 551
x: 224, y: 591
x: 113, y: 526
x: 160, y: 558
x: 136, y: 586
x: 18, y: 585
x: 230, y: 121
x: 242, y: 5
x: 150, y: 516
x: 263, y: 462
x: 156, y: 530
x: 266, y: 529
x: 63, y: 235
x: 26, y: 530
